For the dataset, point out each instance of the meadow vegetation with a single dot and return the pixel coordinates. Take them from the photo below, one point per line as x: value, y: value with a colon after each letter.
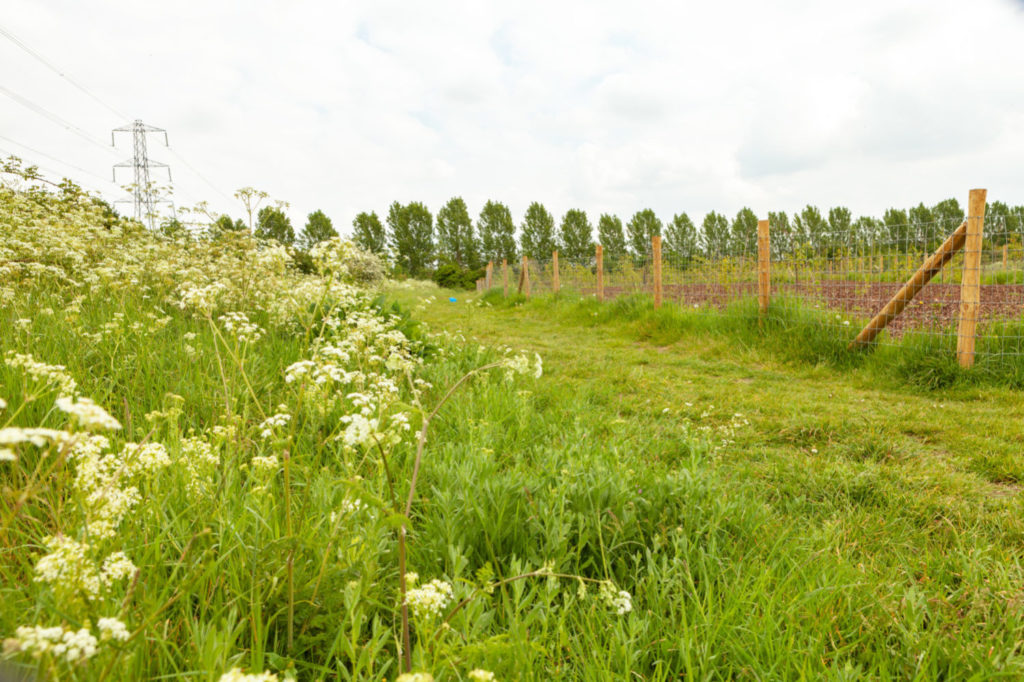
x: 218, y: 467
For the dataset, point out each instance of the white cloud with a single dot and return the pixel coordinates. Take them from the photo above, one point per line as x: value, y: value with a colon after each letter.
x: 611, y: 108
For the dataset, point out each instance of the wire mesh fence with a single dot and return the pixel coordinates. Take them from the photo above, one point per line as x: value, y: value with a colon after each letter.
x: 925, y: 281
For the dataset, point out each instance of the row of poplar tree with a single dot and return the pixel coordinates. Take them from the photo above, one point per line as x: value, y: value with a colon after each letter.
x: 419, y: 241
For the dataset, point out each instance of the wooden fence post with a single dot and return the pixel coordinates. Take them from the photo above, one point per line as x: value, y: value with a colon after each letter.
x: 555, y: 284
x: 489, y: 274
x: 600, y: 273
x: 763, y: 266
x: 526, y: 277
x: 970, y: 289
x: 656, y: 255
x: 504, y: 277
x: 897, y: 303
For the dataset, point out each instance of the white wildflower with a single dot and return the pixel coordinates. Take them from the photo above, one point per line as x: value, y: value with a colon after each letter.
x: 116, y: 567
x: 620, y: 600
x: 265, y: 465
x: 88, y: 414
x: 236, y: 675
x: 112, y: 628
x: 415, y: 677
x: 427, y: 601
x: 480, y: 675
x: 278, y: 421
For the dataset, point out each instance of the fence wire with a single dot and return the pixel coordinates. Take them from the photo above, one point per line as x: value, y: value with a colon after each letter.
x: 842, y: 282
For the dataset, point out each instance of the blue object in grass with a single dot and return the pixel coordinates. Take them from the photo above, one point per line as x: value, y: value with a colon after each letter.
x: 453, y: 299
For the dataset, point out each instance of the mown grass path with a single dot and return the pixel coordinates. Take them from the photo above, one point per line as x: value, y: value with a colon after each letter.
x: 967, y: 441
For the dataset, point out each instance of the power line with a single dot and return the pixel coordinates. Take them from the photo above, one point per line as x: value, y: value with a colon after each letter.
x: 56, y: 173
x: 58, y: 71
x: 54, y: 158
x: 198, y: 174
x: 54, y: 117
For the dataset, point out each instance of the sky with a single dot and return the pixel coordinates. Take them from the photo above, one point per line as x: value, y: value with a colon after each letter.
x: 605, y: 106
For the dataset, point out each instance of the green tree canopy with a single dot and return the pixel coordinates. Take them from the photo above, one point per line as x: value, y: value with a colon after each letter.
x: 780, y: 234
x: 810, y: 228
x: 744, y: 232
x: 715, y: 235
x: 840, y: 227
x: 575, y: 236
x: 538, y: 240
x: 455, y: 240
x: 948, y: 214
x: 641, y: 228
x: 272, y: 223
x: 224, y: 223
x: 897, y: 227
x: 497, y: 232
x: 368, y: 232
x: 318, y: 228
x: 411, y: 234
x: 681, y: 239
x: 997, y: 215
x: 612, y: 238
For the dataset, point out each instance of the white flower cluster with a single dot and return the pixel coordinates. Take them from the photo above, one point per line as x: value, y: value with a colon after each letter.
x: 199, y: 462
x: 236, y: 675
x: 201, y: 298
x: 42, y: 372
x: 266, y: 464
x: 112, y: 628
x: 239, y: 326
x: 72, y: 572
x: 12, y: 436
x: 520, y: 364
x: 619, y: 600
x: 88, y: 414
x: 415, y: 677
x: 277, y: 421
x: 71, y: 645
x: 480, y: 675
x: 429, y: 600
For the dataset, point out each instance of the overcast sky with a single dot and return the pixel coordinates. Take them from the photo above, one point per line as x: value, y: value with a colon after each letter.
x: 609, y: 107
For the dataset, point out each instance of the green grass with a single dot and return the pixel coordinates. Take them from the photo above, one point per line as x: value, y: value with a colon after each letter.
x: 858, y: 526
x: 774, y: 515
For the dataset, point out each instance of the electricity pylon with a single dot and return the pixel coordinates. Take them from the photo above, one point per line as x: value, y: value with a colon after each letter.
x: 144, y: 196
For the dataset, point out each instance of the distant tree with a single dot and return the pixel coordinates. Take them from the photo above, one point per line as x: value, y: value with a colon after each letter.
x: 455, y: 240
x: 538, y: 240
x: 497, y: 232
x: 923, y: 229
x: 810, y: 227
x: 867, y: 231
x: 715, y: 235
x: 641, y: 228
x: 575, y: 236
x: 174, y: 228
x: 224, y: 223
x: 840, y: 223
x: 744, y: 232
x: 318, y: 228
x: 411, y: 236
x: 680, y: 239
x: 612, y: 239
x: 949, y: 215
x: 897, y: 227
x: 368, y: 232
x: 272, y: 223
x: 780, y: 234
x: 997, y: 215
